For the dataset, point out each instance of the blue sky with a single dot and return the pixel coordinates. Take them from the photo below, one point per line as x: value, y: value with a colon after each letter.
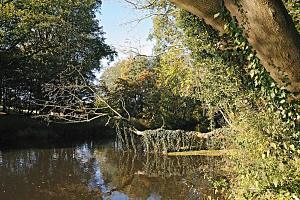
x: 115, y: 18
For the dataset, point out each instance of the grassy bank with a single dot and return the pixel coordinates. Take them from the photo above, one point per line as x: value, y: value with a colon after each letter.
x: 18, y: 129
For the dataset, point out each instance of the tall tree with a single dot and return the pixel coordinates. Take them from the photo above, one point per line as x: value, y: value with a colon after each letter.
x: 45, y: 41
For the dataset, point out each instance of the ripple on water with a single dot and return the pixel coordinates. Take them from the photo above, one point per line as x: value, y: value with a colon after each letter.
x: 87, y: 172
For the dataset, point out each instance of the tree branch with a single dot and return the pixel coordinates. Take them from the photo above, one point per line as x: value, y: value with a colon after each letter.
x: 268, y: 28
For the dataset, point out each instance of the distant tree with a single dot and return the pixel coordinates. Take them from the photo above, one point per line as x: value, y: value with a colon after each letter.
x: 147, y: 90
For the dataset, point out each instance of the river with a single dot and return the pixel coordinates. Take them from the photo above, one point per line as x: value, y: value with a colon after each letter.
x: 100, y: 170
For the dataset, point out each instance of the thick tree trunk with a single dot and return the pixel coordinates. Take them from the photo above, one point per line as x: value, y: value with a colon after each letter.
x: 269, y: 30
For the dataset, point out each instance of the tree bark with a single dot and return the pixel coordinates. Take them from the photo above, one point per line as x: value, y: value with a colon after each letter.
x: 268, y: 28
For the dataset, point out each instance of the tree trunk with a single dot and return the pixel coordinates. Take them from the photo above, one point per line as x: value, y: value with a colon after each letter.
x: 269, y: 30
x: 1, y: 94
x: 4, y: 105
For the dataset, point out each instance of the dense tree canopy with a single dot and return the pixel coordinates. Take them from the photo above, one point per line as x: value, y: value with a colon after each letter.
x: 47, y: 41
x: 230, y: 64
x: 231, y: 80
x: 146, y: 90
x: 239, y: 61
x: 265, y: 23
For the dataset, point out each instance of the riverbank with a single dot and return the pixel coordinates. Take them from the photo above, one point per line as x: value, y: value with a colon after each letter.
x: 19, y: 129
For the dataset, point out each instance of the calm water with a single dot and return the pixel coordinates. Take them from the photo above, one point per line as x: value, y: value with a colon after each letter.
x: 101, y: 171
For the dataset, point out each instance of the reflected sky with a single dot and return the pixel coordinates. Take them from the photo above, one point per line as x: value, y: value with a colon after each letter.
x: 100, y: 171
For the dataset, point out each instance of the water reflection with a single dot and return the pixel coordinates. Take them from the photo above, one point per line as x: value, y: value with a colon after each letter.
x: 156, y: 177
x: 1, y: 160
x: 100, y: 171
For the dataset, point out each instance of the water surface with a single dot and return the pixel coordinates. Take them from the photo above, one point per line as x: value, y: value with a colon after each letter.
x: 95, y: 171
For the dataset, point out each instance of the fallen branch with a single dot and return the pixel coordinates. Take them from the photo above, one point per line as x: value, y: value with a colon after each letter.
x: 213, y: 153
x: 215, y: 133
x: 161, y: 140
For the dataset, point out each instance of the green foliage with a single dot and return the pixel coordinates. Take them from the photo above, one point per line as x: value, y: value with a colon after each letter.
x: 146, y: 90
x: 267, y: 162
x: 131, y: 88
x: 293, y: 6
x: 46, y: 42
x: 231, y: 80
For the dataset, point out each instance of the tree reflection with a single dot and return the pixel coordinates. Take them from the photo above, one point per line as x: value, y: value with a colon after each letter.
x: 57, y: 173
x: 91, y: 171
x: 140, y: 176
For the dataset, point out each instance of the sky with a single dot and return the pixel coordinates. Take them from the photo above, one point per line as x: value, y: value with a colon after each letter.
x: 123, y: 32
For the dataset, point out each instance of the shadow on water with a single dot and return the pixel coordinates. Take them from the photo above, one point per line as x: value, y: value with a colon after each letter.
x: 101, y: 171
